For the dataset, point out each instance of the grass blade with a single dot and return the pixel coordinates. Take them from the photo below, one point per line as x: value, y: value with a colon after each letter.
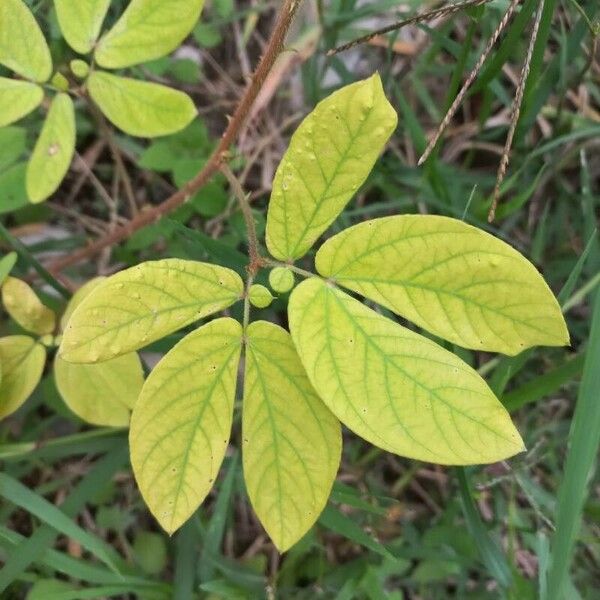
x: 489, y: 551
x: 35, y: 546
x: 584, y: 439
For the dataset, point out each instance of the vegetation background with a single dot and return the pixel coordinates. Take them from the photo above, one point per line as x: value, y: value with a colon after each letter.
x: 394, y: 528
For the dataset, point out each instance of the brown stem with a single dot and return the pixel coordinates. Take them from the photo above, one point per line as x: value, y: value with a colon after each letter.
x: 212, y: 166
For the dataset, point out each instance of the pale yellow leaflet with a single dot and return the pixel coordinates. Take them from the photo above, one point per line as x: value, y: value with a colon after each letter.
x: 17, y: 99
x: 144, y: 303
x: 23, y: 305
x: 291, y: 441
x: 148, y: 29
x: 23, y: 48
x: 329, y: 157
x: 22, y: 360
x: 80, y: 21
x: 393, y: 387
x: 457, y: 281
x: 181, y: 423
x: 138, y: 107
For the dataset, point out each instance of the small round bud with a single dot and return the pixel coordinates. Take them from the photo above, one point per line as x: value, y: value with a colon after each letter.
x: 47, y: 340
x: 79, y: 68
x: 60, y: 82
x: 260, y: 296
x: 281, y: 280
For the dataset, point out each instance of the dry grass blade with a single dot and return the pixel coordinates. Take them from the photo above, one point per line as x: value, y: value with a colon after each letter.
x: 427, y: 16
x: 472, y: 75
x: 515, y: 112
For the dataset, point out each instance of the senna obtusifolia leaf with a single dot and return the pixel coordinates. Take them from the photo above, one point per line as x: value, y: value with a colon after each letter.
x: 292, y: 442
x: 101, y: 394
x: 22, y: 360
x: 80, y: 21
x: 23, y: 305
x: 458, y: 282
x: 138, y: 107
x: 181, y: 423
x: 53, y: 150
x: 329, y: 157
x: 23, y: 48
x: 144, y: 303
x: 148, y: 29
x: 17, y: 99
x: 393, y: 387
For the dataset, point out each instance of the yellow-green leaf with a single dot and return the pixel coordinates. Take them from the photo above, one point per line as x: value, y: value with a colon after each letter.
x: 22, y: 361
x: 17, y: 99
x: 53, y: 150
x: 329, y: 157
x: 7, y: 262
x: 23, y: 48
x: 455, y: 280
x: 144, y: 303
x: 80, y: 21
x: 77, y: 298
x: 101, y: 394
x: 148, y: 29
x: 181, y: 423
x: 292, y: 442
x: 141, y: 108
x: 393, y: 387
x: 23, y: 305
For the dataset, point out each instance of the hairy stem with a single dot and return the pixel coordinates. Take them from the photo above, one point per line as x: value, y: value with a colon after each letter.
x: 242, y: 198
x: 274, y: 48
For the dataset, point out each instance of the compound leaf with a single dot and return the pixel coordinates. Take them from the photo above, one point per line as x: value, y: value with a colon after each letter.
x: 104, y: 393
x: 53, y: 150
x: 80, y: 22
x: 23, y: 305
x: 144, y: 303
x: 393, y: 387
x: 148, y: 29
x: 23, y: 48
x: 181, y: 423
x: 292, y: 442
x: 22, y: 361
x: 17, y: 99
x: 329, y: 157
x: 140, y: 108
x: 457, y: 281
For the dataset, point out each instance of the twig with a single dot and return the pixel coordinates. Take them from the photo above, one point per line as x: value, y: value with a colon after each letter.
x: 274, y: 48
x: 472, y: 75
x: 256, y: 260
x: 427, y: 16
x: 516, y: 111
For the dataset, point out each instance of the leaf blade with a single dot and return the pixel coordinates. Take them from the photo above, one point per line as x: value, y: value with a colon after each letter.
x: 22, y: 361
x: 393, y: 387
x: 23, y: 305
x: 80, y: 22
x: 325, y: 164
x: 140, y: 108
x: 282, y: 459
x: 143, y: 304
x: 23, y: 48
x: 53, y: 150
x: 176, y: 446
x: 101, y: 394
x: 18, y: 99
x: 148, y: 29
x: 455, y: 280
